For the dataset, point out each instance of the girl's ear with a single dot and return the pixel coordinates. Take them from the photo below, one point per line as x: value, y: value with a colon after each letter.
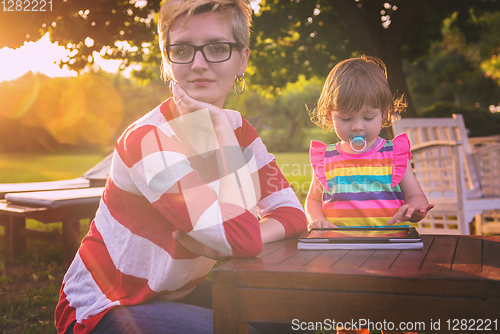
x: 329, y: 115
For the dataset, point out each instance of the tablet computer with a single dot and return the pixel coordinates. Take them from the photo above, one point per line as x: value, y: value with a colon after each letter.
x: 361, y: 235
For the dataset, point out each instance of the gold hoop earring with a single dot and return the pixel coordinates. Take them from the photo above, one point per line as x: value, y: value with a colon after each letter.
x: 240, y: 78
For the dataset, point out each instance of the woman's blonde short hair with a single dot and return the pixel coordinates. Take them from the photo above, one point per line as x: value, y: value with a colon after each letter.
x: 238, y: 11
x: 352, y: 83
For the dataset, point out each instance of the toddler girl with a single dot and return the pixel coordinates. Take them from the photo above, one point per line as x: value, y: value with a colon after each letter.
x: 363, y: 180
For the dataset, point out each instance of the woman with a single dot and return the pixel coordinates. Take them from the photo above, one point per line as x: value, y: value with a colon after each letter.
x: 187, y: 186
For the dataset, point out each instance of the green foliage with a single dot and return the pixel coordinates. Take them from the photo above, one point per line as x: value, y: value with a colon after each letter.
x: 479, y: 122
x: 138, y: 96
x: 292, y: 38
x: 490, y: 46
x: 76, y: 114
x: 282, y: 119
x: 452, y: 71
x: 70, y: 22
x: 289, y: 39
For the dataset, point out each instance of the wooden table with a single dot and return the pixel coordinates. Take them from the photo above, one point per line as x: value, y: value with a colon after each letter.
x: 66, y: 206
x: 453, y: 277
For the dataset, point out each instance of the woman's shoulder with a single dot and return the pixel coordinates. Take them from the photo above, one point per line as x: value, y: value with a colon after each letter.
x: 235, y: 117
x: 143, y: 128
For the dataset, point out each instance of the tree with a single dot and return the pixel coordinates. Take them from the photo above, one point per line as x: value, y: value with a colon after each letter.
x: 84, y: 26
x: 452, y: 71
x: 293, y: 37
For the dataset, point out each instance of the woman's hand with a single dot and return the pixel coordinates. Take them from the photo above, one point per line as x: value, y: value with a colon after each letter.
x: 410, y: 212
x: 320, y: 223
x: 186, y: 104
x: 197, y: 247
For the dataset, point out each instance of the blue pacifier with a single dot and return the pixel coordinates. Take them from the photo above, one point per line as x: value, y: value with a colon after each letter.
x: 358, y: 142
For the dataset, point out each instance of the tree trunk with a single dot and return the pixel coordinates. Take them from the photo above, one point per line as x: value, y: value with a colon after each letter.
x: 366, y: 28
x: 397, y: 79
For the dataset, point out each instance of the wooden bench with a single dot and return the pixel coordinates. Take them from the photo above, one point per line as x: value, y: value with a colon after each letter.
x: 94, y: 177
x: 14, y: 212
x: 66, y: 206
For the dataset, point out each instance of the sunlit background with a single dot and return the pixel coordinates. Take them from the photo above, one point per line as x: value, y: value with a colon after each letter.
x: 43, y: 57
x: 46, y: 106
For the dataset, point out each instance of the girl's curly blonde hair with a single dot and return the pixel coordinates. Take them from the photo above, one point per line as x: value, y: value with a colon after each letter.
x: 352, y: 83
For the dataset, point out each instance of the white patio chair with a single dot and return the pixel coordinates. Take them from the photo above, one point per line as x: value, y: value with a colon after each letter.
x: 480, y: 142
x: 423, y: 130
x: 439, y: 169
x: 420, y: 131
x: 487, y: 158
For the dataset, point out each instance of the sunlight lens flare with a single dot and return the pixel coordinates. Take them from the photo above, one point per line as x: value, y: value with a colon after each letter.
x: 18, y: 96
x: 80, y: 111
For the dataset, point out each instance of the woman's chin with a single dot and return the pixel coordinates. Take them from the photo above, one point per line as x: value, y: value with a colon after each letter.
x: 207, y: 97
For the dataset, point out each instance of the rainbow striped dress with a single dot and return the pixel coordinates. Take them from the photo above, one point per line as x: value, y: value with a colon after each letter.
x: 361, y: 190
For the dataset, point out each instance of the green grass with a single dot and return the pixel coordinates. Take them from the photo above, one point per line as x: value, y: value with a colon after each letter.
x: 32, y: 167
x: 297, y: 170
x: 29, y: 286
x: 327, y: 137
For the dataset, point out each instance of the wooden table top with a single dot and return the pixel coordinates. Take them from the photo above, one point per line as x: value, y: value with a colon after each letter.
x: 452, y: 275
x: 449, y: 265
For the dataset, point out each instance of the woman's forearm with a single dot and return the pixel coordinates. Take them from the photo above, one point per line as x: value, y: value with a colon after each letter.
x: 271, y: 230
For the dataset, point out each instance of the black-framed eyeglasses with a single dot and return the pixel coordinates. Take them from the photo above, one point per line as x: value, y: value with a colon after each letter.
x: 213, y: 52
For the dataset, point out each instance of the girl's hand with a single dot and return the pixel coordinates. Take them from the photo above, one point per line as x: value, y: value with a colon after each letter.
x: 411, y: 213
x: 197, y: 247
x: 320, y: 223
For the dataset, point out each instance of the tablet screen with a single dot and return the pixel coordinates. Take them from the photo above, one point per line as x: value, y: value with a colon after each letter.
x: 361, y: 234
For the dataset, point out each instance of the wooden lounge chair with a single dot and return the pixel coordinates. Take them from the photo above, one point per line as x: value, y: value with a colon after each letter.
x: 94, y: 177
x: 451, y: 131
x: 65, y: 201
x: 68, y: 206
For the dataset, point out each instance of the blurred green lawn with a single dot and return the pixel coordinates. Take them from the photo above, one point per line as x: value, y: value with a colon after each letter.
x: 30, y: 309
x: 44, y: 167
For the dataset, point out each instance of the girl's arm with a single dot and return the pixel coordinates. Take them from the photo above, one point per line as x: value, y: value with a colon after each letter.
x: 314, y: 206
x: 416, y: 204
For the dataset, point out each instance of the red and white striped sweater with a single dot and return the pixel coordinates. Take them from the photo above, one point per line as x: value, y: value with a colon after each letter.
x: 129, y: 255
